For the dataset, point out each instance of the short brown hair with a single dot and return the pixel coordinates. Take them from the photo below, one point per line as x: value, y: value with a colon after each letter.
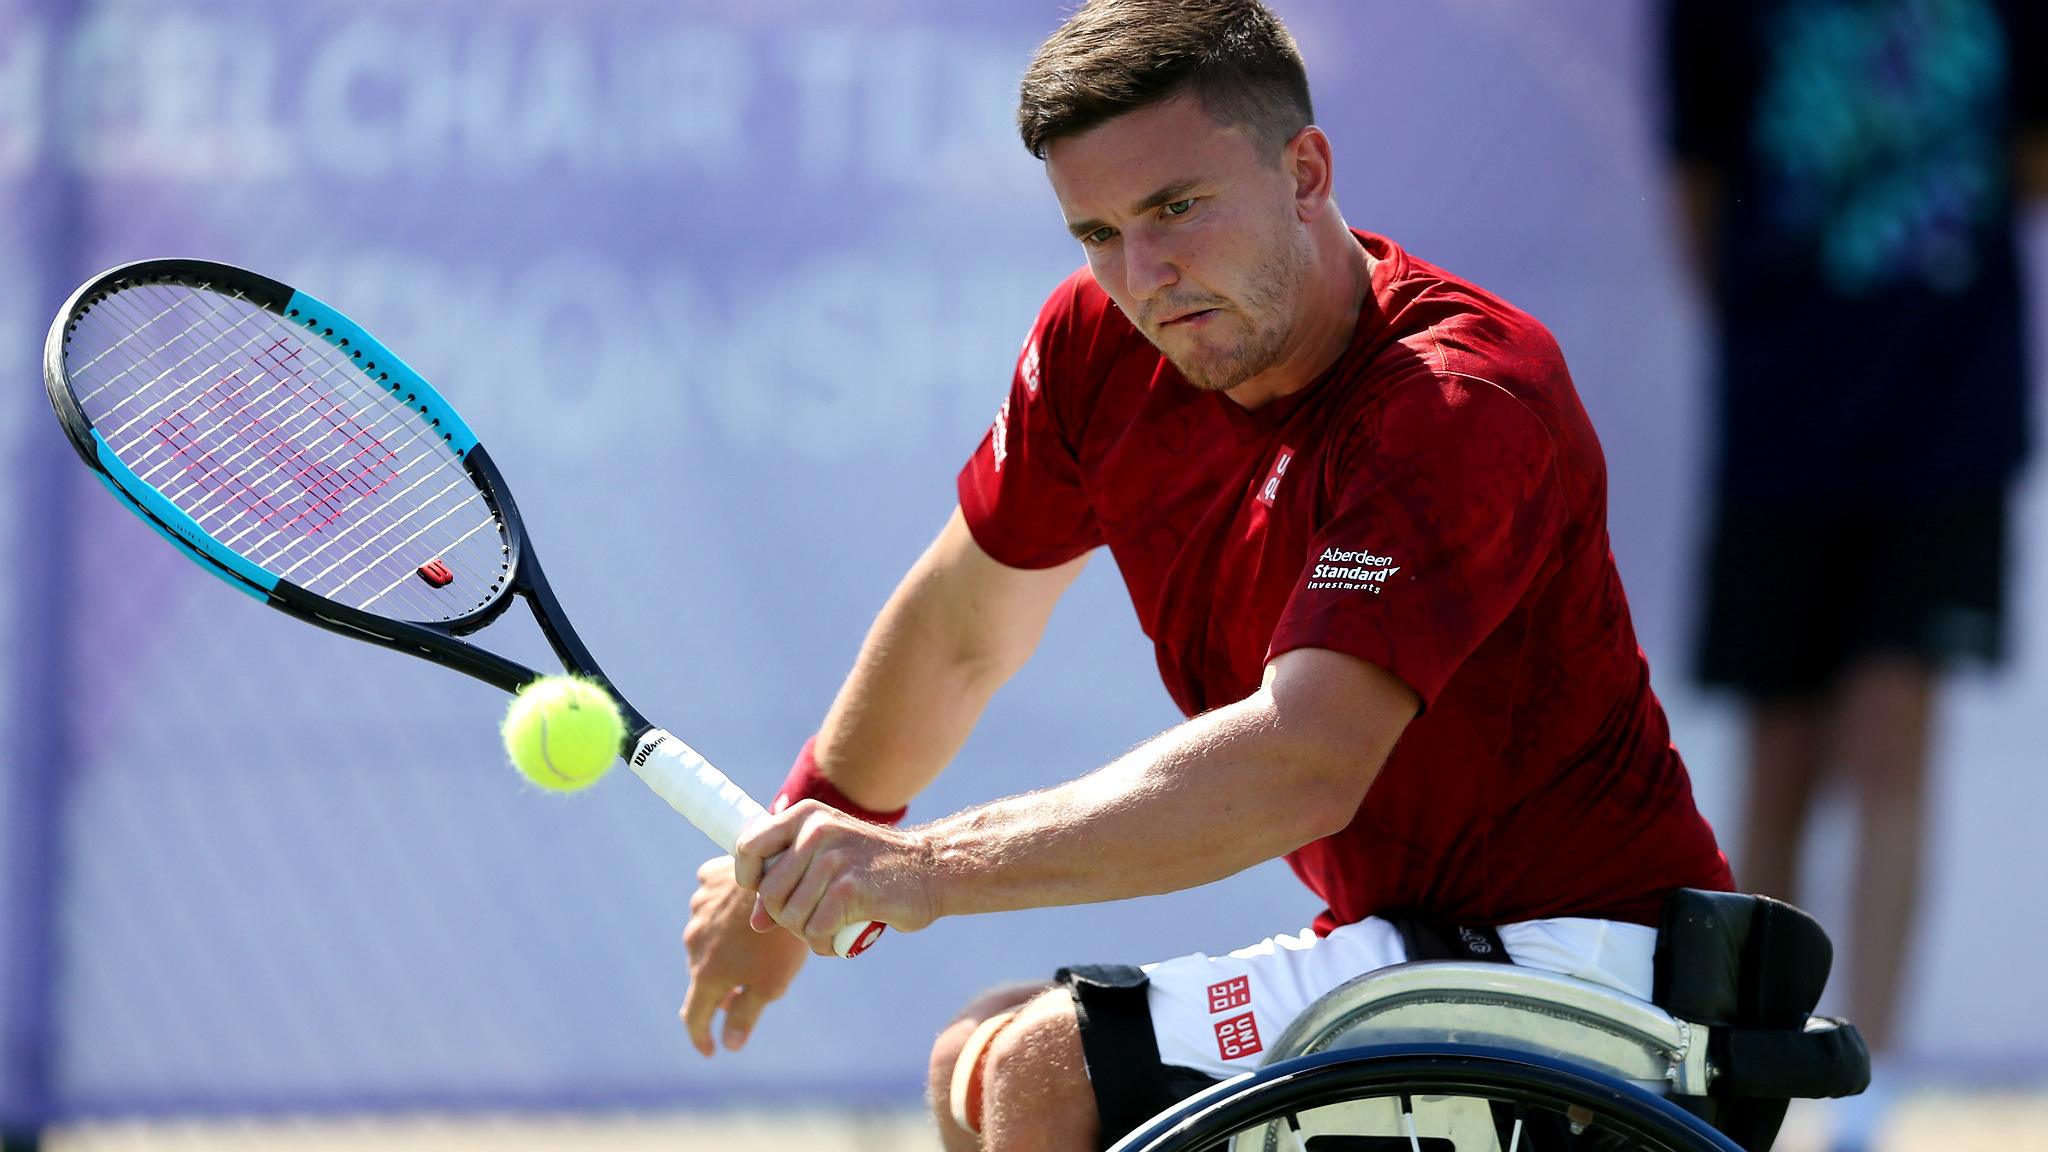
x: 1117, y: 56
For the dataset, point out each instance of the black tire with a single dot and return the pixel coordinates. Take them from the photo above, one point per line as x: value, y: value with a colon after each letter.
x: 1628, y: 1116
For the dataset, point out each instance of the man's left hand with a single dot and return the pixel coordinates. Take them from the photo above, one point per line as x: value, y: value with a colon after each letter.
x: 816, y: 870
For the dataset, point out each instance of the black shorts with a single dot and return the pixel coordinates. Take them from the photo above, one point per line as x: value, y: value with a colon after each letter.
x: 1794, y: 596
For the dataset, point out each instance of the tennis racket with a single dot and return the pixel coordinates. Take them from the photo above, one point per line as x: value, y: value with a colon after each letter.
x: 286, y: 451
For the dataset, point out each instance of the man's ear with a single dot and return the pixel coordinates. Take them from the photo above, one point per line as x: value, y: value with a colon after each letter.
x: 1309, y: 164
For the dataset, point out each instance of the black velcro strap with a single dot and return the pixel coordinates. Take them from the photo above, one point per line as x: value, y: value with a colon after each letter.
x: 1828, y: 1059
x: 1121, y: 1050
x: 1440, y: 940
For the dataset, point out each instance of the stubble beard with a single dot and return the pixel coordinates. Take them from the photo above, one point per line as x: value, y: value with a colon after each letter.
x: 1269, y: 309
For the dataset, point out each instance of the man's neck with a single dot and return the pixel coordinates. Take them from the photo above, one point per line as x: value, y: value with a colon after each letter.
x: 1337, y: 288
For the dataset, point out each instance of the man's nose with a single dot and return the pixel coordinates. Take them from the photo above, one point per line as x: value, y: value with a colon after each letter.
x: 1149, y: 268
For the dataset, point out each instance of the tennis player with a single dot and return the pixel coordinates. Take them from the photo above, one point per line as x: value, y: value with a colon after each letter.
x: 1362, y: 515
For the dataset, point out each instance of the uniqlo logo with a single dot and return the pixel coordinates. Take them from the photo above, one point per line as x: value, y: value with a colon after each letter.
x: 1238, y: 1037
x: 1271, y: 488
x: 1230, y: 994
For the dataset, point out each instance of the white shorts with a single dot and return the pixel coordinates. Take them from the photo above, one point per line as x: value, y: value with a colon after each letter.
x: 1216, y: 1014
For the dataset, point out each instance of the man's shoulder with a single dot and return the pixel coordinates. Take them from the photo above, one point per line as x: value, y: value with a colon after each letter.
x: 1457, y: 360
x: 1464, y: 327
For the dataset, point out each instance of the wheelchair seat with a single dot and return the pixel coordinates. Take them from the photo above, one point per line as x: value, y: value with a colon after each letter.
x: 1729, y: 1036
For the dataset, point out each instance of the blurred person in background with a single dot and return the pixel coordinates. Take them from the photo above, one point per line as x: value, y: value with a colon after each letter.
x: 1851, y: 171
x: 1361, y: 513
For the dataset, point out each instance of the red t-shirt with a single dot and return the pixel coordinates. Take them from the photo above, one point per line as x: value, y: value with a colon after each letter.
x: 1435, y: 503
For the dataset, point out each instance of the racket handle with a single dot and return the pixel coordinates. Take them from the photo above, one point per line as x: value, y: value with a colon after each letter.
x: 718, y: 807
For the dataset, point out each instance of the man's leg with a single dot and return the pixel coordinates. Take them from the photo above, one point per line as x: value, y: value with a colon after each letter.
x: 1885, y: 713
x: 946, y: 1052
x: 1787, y: 753
x: 1037, y: 1094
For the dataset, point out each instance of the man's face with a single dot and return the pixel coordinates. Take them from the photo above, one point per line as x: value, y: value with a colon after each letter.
x: 1191, y: 228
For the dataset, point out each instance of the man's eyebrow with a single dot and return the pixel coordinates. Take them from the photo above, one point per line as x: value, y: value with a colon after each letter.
x: 1177, y: 190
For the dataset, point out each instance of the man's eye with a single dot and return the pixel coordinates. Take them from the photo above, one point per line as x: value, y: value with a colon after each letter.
x: 1099, y: 236
x: 1178, y: 207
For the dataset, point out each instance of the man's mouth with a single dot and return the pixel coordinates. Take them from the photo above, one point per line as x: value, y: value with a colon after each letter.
x: 1189, y: 318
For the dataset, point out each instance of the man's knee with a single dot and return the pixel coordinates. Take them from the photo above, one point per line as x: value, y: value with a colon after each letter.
x: 954, y: 1037
x: 1035, y: 1078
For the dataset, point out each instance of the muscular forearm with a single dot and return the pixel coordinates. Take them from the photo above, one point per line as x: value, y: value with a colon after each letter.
x: 1207, y: 799
x: 1245, y: 783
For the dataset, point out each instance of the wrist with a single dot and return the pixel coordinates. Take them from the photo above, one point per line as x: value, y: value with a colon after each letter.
x: 806, y: 782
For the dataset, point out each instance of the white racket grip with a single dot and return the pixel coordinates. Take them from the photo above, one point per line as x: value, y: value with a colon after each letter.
x: 718, y: 807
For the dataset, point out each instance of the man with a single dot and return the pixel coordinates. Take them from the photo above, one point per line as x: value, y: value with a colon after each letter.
x: 1356, y: 502
x: 1851, y: 171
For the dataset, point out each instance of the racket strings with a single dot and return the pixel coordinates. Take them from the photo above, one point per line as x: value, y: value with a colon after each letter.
x: 284, y: 449
x: 336, y: 369
x: 213, y: 470
x: 279, y: 365
x: 276, y: 365
x: 432, y: 453
x: 325, y: 485
x: 144, y: 458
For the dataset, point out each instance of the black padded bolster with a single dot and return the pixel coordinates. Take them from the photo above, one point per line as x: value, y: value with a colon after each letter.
x: 1698, y: 965
x: 1773, y: 1063
x: 1751, y: 968
x: 1725, y: 958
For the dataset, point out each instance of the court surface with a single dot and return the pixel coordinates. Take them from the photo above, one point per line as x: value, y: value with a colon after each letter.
x: 1945, y: 1121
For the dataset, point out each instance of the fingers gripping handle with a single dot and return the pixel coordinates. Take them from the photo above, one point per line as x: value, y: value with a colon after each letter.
x: 718, y: 807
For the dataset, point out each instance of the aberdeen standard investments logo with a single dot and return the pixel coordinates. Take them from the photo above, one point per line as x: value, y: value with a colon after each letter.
x: 1342, y: 569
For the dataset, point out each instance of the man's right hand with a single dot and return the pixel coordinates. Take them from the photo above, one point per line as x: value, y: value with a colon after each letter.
x: 732, y: 967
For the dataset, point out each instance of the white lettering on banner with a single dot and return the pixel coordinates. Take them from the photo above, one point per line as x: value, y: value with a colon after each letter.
x: 178, y: 94
x: 905, y: 105
x: 172, y: 95
x: 539, y: 351
x: 1343, y: 569
x: 796, y: 366
x: 184, y: 92
x: 505, y: 101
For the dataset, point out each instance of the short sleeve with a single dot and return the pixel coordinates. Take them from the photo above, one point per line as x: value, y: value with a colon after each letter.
x: 1021, y: 492
x: 1447, y: 509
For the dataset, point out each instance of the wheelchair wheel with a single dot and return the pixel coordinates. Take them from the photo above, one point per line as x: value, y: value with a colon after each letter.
x: 1425, y: 1098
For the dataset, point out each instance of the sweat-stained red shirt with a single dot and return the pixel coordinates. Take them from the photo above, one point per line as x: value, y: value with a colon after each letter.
x: 1435, y: 503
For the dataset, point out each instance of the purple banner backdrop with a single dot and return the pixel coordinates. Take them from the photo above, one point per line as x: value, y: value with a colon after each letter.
x: 730, y: 293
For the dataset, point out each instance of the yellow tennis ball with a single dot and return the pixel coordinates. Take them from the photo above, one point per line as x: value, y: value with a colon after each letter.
x: 563, y: 733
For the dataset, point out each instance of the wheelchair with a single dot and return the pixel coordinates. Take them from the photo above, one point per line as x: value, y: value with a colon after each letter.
x: 1464, y: 1056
